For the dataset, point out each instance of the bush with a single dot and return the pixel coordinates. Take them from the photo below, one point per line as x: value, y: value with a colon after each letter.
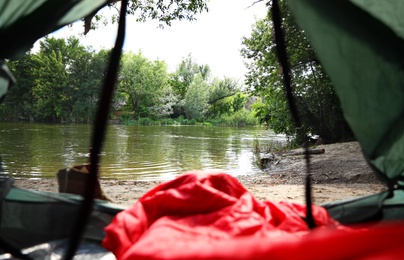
x: 168, y: 121
x: 145, y: 121
x: 126, y: 118
x: 241, y: 118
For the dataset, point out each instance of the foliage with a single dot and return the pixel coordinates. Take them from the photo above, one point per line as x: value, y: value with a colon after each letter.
x: 143, y: 82
x: 92, y: 73
x: 165, y: 103
x: 163, y: 11
x: 196, y: 98
x: 228, y: 105
x: 202, y: 97
x: 19, y: 101
x: 51, y: 85
x: 168, y: 121
x: 185, y: 74
x: 59, y: 83
x: 126, y: 118
x: 316, y: 100
x: 238, y: 101
x: 239, y: 118
x: 220, y: 90
x: 62, y: 82
x: 181, y: 80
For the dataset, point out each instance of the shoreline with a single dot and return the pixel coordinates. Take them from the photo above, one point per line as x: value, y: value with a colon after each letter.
x: 125, y: 193
x: 340, y: 173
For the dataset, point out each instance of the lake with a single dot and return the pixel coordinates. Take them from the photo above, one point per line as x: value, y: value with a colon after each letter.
x: 30, y: 150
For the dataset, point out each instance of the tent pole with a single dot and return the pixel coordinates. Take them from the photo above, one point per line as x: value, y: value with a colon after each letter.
x: 99, y: 130
x: 283, y: 60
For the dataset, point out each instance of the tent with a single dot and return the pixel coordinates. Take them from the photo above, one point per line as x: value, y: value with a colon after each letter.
x: 38, y: 225
x: 22, y: 23
x: 30, y: 218
x: 360, y: 44
x: 209, y: 215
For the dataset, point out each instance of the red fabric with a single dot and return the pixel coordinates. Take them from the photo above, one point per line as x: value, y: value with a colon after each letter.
x: 210, y: 215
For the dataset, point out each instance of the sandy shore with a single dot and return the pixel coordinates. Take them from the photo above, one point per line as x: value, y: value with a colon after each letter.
x: 340, y: 172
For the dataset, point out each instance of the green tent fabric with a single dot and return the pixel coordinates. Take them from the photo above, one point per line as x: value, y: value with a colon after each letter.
x: 384, y: 206
x: 6, y: 78
x: 24, y: 22
x: 360, y: 44
x: 37, y: 19
x: 29, y: 217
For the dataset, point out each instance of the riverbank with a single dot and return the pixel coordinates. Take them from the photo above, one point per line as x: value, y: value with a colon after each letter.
x: 340, y: 172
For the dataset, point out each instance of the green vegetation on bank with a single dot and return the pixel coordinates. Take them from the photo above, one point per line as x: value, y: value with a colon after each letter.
x: 241, y: 118
x: 62, y: 82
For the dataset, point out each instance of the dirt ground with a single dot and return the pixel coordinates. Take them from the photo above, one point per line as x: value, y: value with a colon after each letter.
x: 340, y: 172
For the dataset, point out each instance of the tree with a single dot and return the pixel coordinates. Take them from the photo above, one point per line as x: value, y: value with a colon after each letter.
x: 57, y: 53
x: 59, y: 83
x: 196, y: 99
x: 19, y: 101
x: 166, y: 103
x: 185, y: 74
x: 162, y: 11
x: 220, y: 90
x: 68, y: 80
x: 51, y: 83
x: 182, y: 79
x: 238, y: 101
x: 88, y: 80
x: 142, y: 81
x: 318, y: 105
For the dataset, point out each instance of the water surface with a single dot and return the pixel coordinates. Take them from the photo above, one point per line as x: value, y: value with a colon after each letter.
x: 130, y: 152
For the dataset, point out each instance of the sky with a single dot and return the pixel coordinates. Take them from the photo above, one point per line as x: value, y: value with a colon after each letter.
x: 213, y: 39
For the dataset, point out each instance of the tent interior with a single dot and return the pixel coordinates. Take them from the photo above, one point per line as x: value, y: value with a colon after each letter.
x: 203, y: 215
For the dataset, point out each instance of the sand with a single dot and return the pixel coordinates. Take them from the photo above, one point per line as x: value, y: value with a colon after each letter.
x: 341, y: 172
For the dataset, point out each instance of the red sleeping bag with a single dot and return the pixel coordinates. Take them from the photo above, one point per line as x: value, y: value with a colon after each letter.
x: 210, y: 215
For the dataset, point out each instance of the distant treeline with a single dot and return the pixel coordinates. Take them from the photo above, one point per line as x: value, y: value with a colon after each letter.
x: 62, y: 82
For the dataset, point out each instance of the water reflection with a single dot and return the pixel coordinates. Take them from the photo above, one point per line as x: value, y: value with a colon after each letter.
x: 130, y: 152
